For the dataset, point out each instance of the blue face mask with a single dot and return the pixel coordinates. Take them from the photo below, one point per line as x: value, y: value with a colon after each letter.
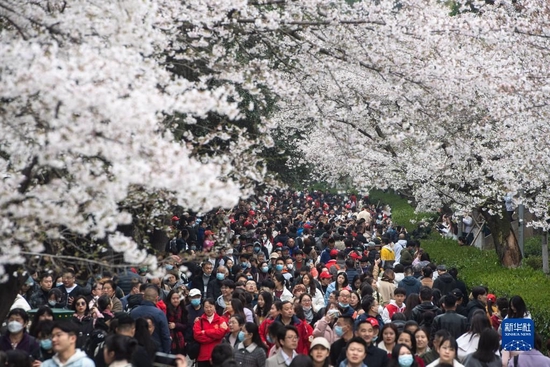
x: 240, y: 336
x: 279, y: 267
x: 268, y: 338
x: 169, y: 267
x: 195, y: 302
x: 193, y: 248
x: 343, y: 305
x: 265, y: 269
x: 257, y: 249
x: 244, y: 265
x: 406, y: 360
x: 338, y: 330
x: 220, y: 276
x: 46, y: 344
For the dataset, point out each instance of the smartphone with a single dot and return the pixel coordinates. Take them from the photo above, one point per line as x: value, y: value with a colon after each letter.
x: 164, y: 360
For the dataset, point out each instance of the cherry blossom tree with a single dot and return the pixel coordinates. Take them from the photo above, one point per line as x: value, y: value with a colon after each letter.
x: 452, y: 109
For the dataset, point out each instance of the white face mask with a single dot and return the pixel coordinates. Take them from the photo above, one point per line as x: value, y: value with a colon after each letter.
x: 290, y: 266
x: 15, y: 326
x: 52, y: 303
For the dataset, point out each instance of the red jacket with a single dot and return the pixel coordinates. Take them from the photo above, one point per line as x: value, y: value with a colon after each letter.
x: 208, y: 335
x: 263, y: 330
x: 304, y: 332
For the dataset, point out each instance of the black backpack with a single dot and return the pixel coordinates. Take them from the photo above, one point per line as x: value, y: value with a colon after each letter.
x: 93, y: 343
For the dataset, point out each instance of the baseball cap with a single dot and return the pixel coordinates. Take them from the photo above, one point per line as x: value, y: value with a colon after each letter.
x: 333, y: 252
x: 274, y: 255
x: 373, y: 322
x: 491, y: 297
x: 457, y: 293
x: 194, y: 292
x: 441, y: 268
x: 319, y: 341
x: 208, y: 233
x: 325, y: 275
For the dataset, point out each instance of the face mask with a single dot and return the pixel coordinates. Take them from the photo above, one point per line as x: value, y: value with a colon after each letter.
x: 405, y: 360
x: 375, y: 338
x: 52, y: 303
x: 240, y: 336
x: 220, y: 276
x: 58, y: 284
x: 15, y: 327
x: 193, y: 248
x: 257, y: 249
x: 195, y: 302
x: 46, y: 344
x: 169, y: 267
x: 244, y: 265
x: 338, y: 330
x: 250, y: 277
x: 343, y: 305
x: 264, y: 238
x: 268, y: 338
x: 290, y: 266
x: 265, y: 269
x: 279, y: 267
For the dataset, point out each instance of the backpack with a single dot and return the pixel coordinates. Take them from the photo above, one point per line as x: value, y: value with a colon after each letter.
x: 94, y: 342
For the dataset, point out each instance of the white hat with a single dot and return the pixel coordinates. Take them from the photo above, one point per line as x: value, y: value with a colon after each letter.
x: 194, y: 292
x: 319, y: 341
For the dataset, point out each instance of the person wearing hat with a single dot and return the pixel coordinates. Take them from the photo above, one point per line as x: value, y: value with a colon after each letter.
x: 319, y: 351
x: 445, y: 281
x: 325, y: 278
x: 460, y: 309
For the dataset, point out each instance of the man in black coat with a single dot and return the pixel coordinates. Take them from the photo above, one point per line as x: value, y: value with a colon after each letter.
x: 451, y: 321
x: 70, y: 289
x: 426, y: 305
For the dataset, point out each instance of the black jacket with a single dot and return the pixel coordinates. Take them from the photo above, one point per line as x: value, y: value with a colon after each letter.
x: 472, y: 306
x: 451, y: 321
x: 419, y: 311
x: 445, y: 283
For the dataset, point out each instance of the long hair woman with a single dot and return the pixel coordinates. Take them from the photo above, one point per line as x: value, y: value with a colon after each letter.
x: 485, y: 355
x: 176, y: 313
x: 265, y: 300
x: 467, y: 342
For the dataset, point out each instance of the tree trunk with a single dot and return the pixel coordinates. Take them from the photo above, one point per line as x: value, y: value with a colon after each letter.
x: 10, y: 288
x: 504, y: 238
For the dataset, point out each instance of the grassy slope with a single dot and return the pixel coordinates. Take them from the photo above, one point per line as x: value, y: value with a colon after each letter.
x: 477, y: 267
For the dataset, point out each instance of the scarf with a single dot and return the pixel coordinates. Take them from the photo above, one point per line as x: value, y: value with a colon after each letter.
x: 308, y: 314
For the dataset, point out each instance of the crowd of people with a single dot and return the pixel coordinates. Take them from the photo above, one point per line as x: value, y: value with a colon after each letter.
x: 287, y: 279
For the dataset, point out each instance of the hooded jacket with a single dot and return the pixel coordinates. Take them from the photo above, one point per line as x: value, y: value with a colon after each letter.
x: 445, y: 283
x: 410, y: 284
x: 79, y: 359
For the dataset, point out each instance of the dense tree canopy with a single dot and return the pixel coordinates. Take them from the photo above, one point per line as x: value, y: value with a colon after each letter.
x: 109, y: 106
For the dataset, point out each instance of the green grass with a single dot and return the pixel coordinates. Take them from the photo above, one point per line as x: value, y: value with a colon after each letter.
x: 478, y: 267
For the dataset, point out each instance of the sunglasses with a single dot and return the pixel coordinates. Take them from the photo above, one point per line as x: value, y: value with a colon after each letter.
x: 81, y: 304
